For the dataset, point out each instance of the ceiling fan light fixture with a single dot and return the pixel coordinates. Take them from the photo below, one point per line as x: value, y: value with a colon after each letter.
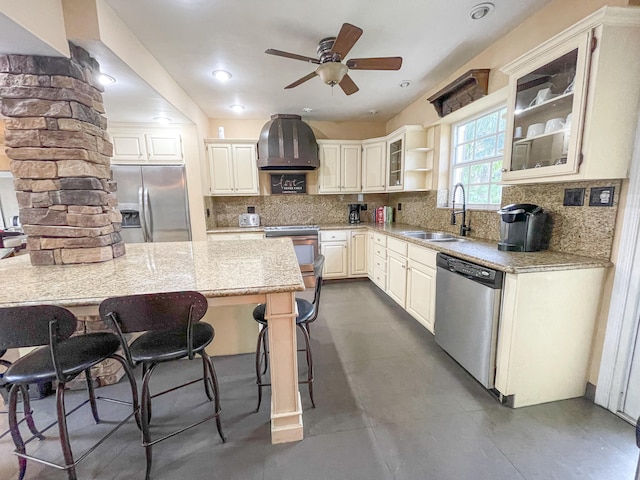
x: 332, y: 73
x: 481, y: 10
x: 221, y: 75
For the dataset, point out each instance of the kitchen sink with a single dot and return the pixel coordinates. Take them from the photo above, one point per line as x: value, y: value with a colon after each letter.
x: 432, y: 236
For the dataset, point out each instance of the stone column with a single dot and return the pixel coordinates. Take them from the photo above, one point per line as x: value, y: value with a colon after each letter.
x: 60, y: 157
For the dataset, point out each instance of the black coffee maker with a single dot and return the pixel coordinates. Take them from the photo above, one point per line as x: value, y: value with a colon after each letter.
x: 521, y: 227
x: 354, y: 212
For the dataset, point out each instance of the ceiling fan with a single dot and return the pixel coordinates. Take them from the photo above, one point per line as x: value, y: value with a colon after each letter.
x: 331, y: 51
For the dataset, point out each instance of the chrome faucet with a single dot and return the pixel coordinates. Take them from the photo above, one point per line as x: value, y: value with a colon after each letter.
x: 464, y: 228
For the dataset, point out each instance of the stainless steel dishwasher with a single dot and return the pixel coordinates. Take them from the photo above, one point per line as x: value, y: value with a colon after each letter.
x: 467, y: 312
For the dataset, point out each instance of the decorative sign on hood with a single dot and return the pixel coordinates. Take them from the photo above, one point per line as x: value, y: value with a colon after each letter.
x: 288, y: 183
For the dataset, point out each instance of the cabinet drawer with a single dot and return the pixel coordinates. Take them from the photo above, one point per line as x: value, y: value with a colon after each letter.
x: 380, y: 252
x: 422, y: 255
x: 380, y: 239
x: 333, y: 235
x: 380, y: 278
x: 380, y: 264
x: 397, y: 246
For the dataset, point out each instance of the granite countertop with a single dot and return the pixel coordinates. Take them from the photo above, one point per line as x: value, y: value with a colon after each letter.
x: 483, y: 252
x: 215, y: 269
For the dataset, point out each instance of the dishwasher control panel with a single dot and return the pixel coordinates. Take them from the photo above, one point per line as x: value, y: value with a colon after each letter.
x: 470, y: 270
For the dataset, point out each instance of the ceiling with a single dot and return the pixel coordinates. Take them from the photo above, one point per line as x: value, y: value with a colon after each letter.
x: 192, y: 38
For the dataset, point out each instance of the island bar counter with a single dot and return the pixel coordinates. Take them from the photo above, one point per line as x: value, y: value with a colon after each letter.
x: 227, y: 272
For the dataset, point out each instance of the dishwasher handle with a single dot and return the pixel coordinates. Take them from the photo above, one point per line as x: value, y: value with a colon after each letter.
x: 472, y: 271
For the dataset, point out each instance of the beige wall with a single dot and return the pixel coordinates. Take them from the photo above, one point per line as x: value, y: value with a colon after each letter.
x: 250, y: 129
x: 43, y: 18
x: 542, y: 25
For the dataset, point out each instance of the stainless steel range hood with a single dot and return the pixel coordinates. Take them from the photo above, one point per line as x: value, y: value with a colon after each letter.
x: 287, y: 143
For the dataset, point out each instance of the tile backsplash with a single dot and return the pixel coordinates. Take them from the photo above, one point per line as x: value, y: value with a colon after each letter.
x: 580, y: 230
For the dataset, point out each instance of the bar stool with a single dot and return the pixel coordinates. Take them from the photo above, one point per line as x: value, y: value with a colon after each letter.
x: 307, y: 313
x: 59, y: 357
x: 172, y: 332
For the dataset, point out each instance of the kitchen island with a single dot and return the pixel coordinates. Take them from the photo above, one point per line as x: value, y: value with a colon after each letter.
x: 227, y: 273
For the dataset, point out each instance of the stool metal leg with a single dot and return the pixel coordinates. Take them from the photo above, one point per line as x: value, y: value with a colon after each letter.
x: 15, y: 430
x: 28, y: 413
x: 214, y: 380
x: 64, y: 432
x: 92, y: 395
x: 259, y: 346
x: 207, y: 379
x: 309, y: 381
x: 265, y: 351
x: 146, y: 417
x: 134, y: 388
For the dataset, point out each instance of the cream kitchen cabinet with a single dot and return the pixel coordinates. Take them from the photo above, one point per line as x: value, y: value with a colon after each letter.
x: 374, y: 165
x: 545, y: 335
x: 358, y: 247
x: 135, y: 145
x: 334, y: 246
x: 340, y: 166
x: 380, y: 260
x: 421, y: 285
x: 397, y: 270
x: 345, y: 253
x: 395, y: 162
x: 232, y: 168
x: 572, y: 107
x: 370, y: 254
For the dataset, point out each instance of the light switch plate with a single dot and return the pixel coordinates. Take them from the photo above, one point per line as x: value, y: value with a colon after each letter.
x: 601, y: 197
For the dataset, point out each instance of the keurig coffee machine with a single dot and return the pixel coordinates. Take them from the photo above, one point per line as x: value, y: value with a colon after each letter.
x: 521, y: 227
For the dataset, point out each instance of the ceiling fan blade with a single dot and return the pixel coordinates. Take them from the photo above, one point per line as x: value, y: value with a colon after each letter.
x: 301, y: 80
x: 348, y: 86
x: 295, y: 56
x: 381, y: 63
x: 346, y: 39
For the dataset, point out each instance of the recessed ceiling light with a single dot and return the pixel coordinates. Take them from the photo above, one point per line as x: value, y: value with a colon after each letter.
x: 405, y: 83
x: 237, y: 108
x: 307, y: 109
x: 163, y: 120
x: 105, y: 79
x: 481, y: 10
x: 221, y: 75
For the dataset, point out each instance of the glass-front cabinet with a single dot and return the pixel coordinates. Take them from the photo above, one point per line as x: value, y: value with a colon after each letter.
x: 546, y: 111
x: 395, y: 162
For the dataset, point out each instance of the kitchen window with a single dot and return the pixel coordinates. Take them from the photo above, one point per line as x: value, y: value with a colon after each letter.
x: 477, y: 153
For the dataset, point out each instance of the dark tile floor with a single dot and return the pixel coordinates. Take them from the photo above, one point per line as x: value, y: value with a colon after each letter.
x: 391, y: 405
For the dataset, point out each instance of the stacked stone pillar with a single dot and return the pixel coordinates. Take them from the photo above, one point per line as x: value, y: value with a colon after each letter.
x: 60, y: 157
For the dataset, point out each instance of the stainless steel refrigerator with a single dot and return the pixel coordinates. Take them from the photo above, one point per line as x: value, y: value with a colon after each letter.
x: 153, y: 202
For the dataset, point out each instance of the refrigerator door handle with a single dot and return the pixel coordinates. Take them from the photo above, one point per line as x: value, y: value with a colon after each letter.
x: 148, y: 217
x: 142, y: 214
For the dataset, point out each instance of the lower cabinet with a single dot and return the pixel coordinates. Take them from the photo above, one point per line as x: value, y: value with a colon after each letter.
x: 357, y: 253
x: 397, y: 278
x: 370, y: 250
x: 334, y: 245
x: 421, y: 285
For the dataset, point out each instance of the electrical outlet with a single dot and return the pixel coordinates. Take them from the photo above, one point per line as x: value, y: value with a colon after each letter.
x: 399, y: 206
x: 601, y: 197
x: 208, y: 213
x: 363, y: 206
x: 251, y: 209
x: 573, y: 197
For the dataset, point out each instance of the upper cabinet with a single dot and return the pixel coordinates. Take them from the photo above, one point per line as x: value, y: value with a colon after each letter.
x: 572, y: 107
x: 340, y: 166
x: 149, y: 145
x: 409, y: 160
x: 395, y: 161
x: 233, y: 167
x: 374, y: 165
